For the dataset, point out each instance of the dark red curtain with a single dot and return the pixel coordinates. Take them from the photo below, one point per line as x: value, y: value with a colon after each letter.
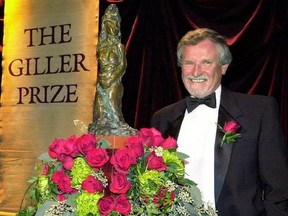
x: 257, y: 32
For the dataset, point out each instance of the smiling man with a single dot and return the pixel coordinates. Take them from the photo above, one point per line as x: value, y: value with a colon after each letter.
x: 247, y: 175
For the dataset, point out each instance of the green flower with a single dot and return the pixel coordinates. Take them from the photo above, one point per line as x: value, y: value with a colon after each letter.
x: 43, y: 186
x: 150, y: 182
x: 79, y: 172
x: 174, y: 163
x: 88, y: 203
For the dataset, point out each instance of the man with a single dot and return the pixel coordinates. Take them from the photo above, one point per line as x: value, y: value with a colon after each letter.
x: 247, y: 176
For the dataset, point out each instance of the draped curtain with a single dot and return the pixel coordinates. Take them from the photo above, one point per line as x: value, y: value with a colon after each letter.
x: 256, y: 30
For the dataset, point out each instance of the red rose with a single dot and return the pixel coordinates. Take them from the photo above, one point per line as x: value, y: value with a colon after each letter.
x: 58, y: 175
x: 64, y: 185
x: 92, y: 185
x: 164, y: 198
x: 151, y: 137
x: 123, y: 206
x: 55, y: 149
x: 135, y: 145
x: 122, y: 160
x: 106, y: 205
x: 231, y: 126
x: 61, y: 197
x: 119, y: 184
x: 169, y: 143
x: 86, y: 142
x: 155, y: 163
x: 70, y: 147
x: 97, y: 157
x: 68, y: 162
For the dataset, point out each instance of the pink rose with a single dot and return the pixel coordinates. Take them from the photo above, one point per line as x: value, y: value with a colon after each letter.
x: 70, y: 147
x: 151, y: 137
x: 92, y: 185
x: 155, y: 163
x: 169, y: 143
x: 123, y: 206
x: 122, y: 160
x: 86, y: 143
x: 106, y: 205
x: 135, y: 145
x: 68, y: 162
x: 65, y: 185
x: 61, y: 197
x: 230, y: 132
x: 97, y: 157
x: 45, y: 170
x: 55, y: 149
x: 63, y: 182
x: 231, y: 126
x: 119, y: 184
x: 58, y: 175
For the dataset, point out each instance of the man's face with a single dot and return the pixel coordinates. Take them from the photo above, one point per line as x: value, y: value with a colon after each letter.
x: 201, y: 70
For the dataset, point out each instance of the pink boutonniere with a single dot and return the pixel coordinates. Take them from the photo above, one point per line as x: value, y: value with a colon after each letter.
x: 230, y: 132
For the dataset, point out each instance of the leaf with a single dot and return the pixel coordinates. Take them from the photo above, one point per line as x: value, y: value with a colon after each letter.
x: 220, y: 128
x: 152, y: 209
x: 186, y: 181
x: 45, y: 157
x: 44, y: 207
x: 196, y: 196
x: 58, y: 165
x: 69, y: 214
x: 182, y: 155
x: 71, y: 201
x: 27, y: 211
x: 190, y: 209
x: 103, y: 143
x: 32, y: 180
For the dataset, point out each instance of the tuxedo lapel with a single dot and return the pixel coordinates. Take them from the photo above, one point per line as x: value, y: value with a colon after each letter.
x: 175, y: 119
x: 174, y: 127
x: 223, y: 154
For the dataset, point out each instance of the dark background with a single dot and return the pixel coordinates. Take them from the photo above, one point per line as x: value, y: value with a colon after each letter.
x: 256, y: 30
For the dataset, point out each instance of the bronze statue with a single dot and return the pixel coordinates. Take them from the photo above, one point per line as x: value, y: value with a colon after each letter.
x: 107, y: 116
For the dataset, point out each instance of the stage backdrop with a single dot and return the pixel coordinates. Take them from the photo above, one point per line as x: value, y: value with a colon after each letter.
x: 49, y: 76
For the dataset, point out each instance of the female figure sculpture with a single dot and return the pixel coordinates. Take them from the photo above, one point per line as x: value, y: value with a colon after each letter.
x: 107, y: 117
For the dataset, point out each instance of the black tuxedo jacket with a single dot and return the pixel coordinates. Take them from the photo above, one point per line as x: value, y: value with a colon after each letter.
x: 251, y: 174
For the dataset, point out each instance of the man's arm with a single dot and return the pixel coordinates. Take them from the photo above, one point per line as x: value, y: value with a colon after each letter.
x: 273, y: 162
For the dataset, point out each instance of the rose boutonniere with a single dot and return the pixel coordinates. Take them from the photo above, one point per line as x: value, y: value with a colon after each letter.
x: 230, y: 132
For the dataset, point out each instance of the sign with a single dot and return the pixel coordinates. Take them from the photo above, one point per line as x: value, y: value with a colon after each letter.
x: 48, y: 84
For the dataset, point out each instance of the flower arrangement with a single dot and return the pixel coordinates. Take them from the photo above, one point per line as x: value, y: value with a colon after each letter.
x: 230, y: 129
x: 145, y: 177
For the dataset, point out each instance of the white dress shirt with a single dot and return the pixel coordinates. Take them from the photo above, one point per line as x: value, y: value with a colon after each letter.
x: 197, y: 139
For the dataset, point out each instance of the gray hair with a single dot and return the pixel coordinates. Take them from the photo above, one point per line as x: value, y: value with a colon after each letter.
x: 198, y: 35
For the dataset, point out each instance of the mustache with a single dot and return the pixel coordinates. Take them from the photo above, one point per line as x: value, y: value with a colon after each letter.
x: 199, y: 78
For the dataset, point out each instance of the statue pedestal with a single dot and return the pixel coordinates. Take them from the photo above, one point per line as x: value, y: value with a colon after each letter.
x: 116, y: 141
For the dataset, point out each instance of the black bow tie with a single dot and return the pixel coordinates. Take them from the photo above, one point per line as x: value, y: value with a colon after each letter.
x: 192, y: 103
